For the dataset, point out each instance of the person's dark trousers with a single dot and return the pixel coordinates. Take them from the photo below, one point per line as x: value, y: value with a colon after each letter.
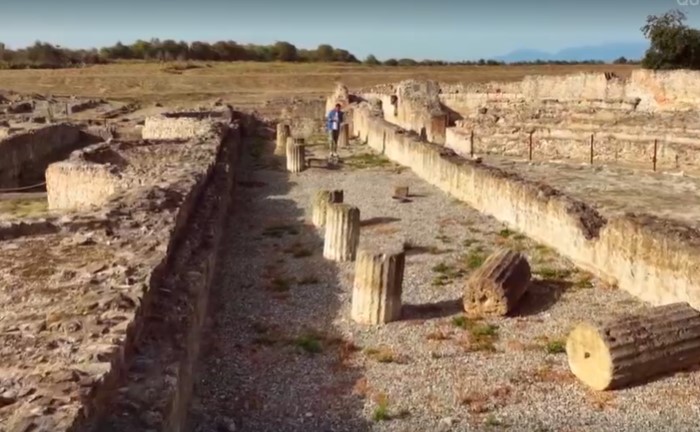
x: 334, y: 140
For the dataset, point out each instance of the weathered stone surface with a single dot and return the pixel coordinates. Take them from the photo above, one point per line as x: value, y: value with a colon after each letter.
x: 320, y: 205
x: 342, y: 232
x: 636, y: 348
x: 283, y: 133
x: 296, y: 159
x: 181, y: 126
x: 376, y: 295
x: 495, y: 288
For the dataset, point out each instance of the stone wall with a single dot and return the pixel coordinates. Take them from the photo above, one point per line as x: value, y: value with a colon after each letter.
x: 305, y: 118
x: 413, y: 105
x: 656, y: 260
x: 25, y: 156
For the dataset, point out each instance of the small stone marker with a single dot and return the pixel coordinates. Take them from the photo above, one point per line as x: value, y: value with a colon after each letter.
x: 283, y: 133
x: 344, y: 135
x: 495, y: 288
x: 342, y: 232
x: 376, y: 295
x: 635, y: 348
x: 320, y: 205
x: 400, y: 193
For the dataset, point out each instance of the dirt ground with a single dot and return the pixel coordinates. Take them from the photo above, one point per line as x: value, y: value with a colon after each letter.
x: 248, y: 82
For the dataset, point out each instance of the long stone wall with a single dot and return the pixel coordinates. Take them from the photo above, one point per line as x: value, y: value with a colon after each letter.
x: 162, y: 345
x: 652, y: 91
x: 655, y: 260
x: 25, y: 156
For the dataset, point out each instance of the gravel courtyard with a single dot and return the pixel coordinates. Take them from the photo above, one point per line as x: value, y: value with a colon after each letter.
x: 282, y: 354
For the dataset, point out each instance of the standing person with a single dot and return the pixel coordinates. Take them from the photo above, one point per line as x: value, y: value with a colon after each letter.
x: 333, y: 121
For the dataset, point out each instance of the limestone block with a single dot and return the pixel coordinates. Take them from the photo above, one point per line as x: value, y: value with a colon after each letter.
x: 342, y: 232
x: 283, y: 133
x: 296, y: 158
x: 344, y: 135
x: 75, y: 186
x: 400, y: 192
x: 320, y: 205
x: 376, y: 295
x: 495, y: 288
x: 636, y: 348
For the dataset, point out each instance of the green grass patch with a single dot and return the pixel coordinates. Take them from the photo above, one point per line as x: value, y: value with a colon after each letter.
x: 367, y: 160
x: 555, y: 347
x: 309, y: 343
x: 24, y: 207
x: 279, y: 231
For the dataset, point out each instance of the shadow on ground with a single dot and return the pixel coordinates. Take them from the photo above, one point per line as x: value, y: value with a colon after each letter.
x: 540, y: 296
x: 272, y: 360
x: 431, y: 310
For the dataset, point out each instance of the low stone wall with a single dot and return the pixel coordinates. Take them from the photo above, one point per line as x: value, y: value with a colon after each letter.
x: 674, y: 149
x: 655, y: 260
x: 25, y: 156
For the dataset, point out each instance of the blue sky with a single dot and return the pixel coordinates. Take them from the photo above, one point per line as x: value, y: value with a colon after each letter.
x: 437, y: 29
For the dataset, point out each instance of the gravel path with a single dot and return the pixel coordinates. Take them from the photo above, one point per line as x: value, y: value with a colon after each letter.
x: 283, y: 355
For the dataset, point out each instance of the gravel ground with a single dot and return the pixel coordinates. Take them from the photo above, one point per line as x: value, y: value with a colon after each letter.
x: 282, y: 354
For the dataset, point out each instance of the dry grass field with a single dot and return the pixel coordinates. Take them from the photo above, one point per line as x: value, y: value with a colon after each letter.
x: 248, y: 82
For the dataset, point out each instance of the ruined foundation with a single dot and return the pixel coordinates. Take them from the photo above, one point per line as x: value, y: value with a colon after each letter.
x: 635, y: 348
x: 320, y: 204
x: 496, y: 287
x: 145, y: 240
x: 26, y: 155
x: 342, y: 232
x: 376, y: 296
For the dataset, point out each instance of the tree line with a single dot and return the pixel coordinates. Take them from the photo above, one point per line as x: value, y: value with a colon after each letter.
x: 672, y: 45
x: 45, y: 55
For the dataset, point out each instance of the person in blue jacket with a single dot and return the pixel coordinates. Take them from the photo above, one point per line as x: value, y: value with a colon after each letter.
x: 333, y: 121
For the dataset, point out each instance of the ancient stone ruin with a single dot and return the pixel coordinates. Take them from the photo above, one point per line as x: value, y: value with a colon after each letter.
x: 204, y: 269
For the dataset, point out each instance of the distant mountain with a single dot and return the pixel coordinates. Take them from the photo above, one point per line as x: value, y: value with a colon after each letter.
x: 606, y: 52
